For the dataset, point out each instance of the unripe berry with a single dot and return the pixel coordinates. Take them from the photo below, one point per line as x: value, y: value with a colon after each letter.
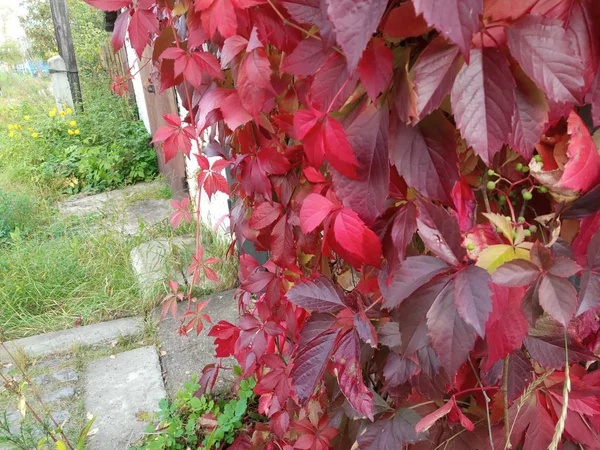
x: 538, y: 158
x: 470, y: 246
x: 543, y: 189
x: 525, y: 169
x: 527, y: 233
x: 490, y: 185
x: 502, y: 199
x: 527, y: 195
x: 519, y: 167
x: 533, y: 228
x: 521, y: 219
x: 491, y: 173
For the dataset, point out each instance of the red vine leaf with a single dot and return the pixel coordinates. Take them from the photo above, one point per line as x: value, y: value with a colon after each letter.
x: 545, y: 53
x: 354, y: 24
x: 319, y: 294
x: 310, y: 362
x: 434, y: 74
x: 457, y: 20
x: 582, y: 171
x: 391, y: 433
x: 254, y: 81
x: 366, y: 195
x: 472, y: 296
x: 375, y: 67
x: 483, y: 101
x: 451, y: 336
x: 425, y: 155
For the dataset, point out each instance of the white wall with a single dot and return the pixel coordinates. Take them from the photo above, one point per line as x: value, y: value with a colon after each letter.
x: 212, y: 211
x: 138, y: 85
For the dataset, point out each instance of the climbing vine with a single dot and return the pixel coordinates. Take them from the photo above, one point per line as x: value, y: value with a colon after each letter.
x: 424, y: 177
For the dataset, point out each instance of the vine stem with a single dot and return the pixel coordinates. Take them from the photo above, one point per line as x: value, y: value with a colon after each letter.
x: 291, y: 24
x: 507, y: 444
x: 337, y: 95
x: 560, y: 426
x: 487, y: 404
x: 199, y: 199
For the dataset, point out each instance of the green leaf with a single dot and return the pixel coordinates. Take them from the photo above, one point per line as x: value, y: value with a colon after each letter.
x: 495, y: 255
x: 84, y: 433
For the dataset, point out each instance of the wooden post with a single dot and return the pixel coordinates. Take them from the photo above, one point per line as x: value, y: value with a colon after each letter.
x: 64, y: 39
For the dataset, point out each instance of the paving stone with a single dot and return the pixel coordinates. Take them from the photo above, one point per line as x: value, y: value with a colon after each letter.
x: 83, y: 205
x: 14, y: 420
x: 64, y: 392
x: 65, y: 375
x: 48, y: 362
x: 148, y: 212
x: 117, y: 390
x: 61, y: 341
x: 61, y: 416
x: 41, y: 380
x: 183, y: 356
x: 150, y: 262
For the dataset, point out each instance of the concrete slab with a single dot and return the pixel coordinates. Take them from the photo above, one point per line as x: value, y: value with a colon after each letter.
x: 148, y: 212
x: 61, y: 341
x: 118, y: 391
x: 151, y: 262
x: 183, y: 356
x: 83, y: 205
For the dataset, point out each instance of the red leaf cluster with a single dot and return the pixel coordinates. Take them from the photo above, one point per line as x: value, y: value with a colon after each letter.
x: 424, y: 175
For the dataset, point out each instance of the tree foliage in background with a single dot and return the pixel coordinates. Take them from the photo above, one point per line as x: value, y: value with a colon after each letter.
x: 11, y: 52
x: 424, y: 177
x: 87, y: 26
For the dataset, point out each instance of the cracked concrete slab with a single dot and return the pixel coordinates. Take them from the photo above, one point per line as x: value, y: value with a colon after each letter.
x: 120, y: 390
x: 183, y: 356
x: 66, y: 340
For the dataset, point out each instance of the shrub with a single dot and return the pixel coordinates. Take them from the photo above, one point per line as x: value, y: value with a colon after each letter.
x: 102, y: 148
x: 195, y: 420
x: 434, y: 262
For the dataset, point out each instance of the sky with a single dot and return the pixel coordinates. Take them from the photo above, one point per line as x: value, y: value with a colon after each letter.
x: 9, y: 23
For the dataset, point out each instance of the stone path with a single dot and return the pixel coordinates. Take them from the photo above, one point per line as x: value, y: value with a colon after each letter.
x: 183, y: 357
x: 122, y: 392
x: 57, y: 381
x: 67, y: 340
x: 116, y: 370
x: 121, y: 388
x: 131, y: 199
x: 150, y: 262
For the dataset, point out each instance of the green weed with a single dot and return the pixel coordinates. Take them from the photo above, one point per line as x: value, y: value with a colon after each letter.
x: 191, y: 419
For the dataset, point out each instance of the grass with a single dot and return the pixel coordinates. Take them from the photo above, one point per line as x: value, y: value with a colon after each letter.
x: 73, y: 270
x: 75, y: 278
x: 56, y: 271
x: 19, y: 89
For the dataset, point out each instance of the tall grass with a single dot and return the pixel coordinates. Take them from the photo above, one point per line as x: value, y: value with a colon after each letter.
x: 54, y: 284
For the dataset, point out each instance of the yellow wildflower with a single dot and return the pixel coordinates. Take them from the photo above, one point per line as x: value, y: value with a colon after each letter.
x: 73, y: 123
x: 26, y: 118
x: 63, y: 114
x: 35, y: 135
x: 71, y: 132
x: 11, y: 134
x: 69, y: 111
x: 30, y: 129
x: 52, y: 113
x: 11, y: 127
x: 77, y: 132
x: 18, y: 126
